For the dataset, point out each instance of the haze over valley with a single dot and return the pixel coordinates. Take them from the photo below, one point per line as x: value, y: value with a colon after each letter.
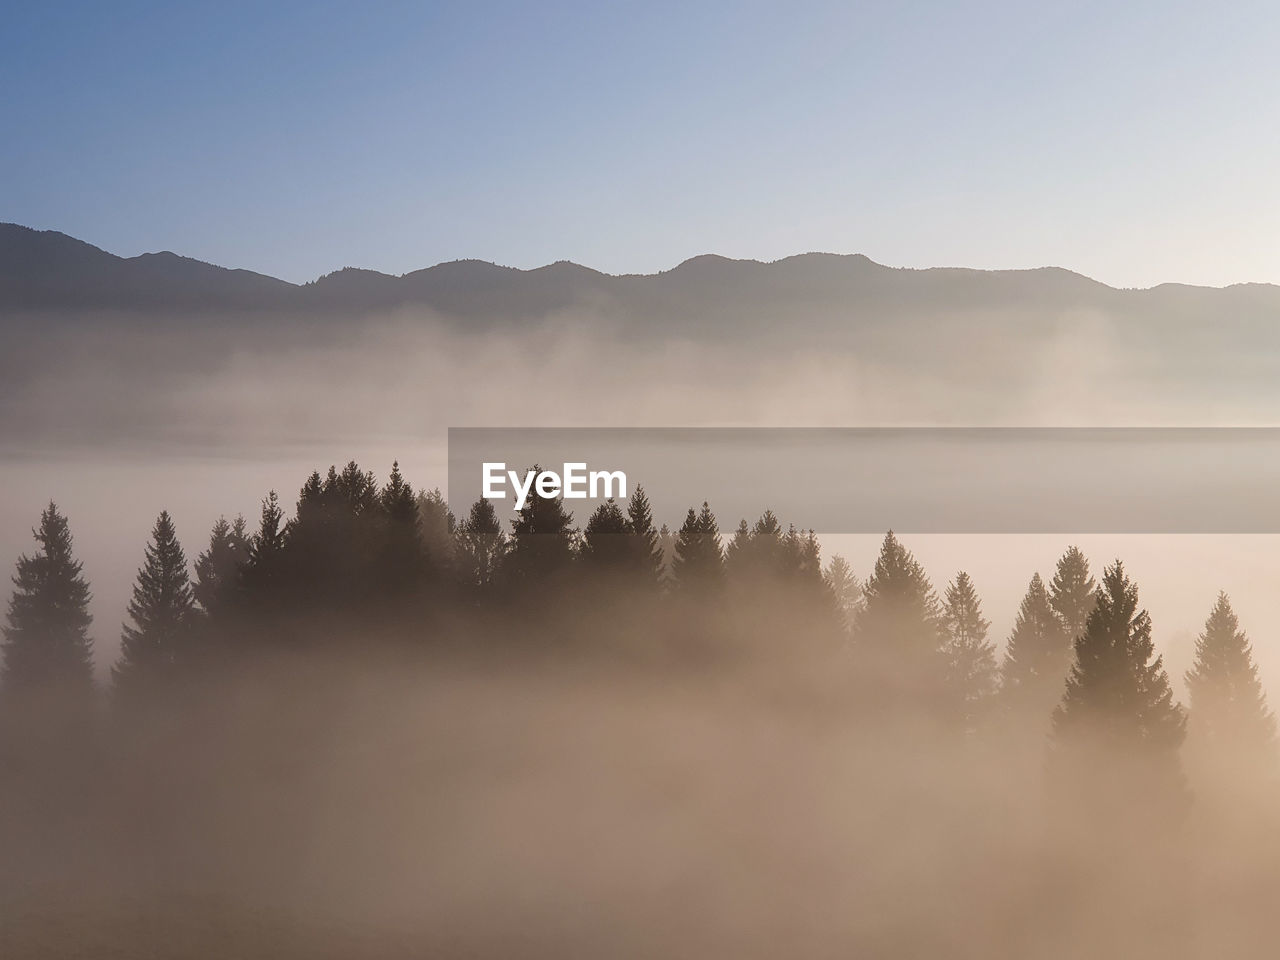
x: 160, y: 379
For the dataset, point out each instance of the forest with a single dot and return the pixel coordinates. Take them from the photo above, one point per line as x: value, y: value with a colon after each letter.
x: 375, y: 727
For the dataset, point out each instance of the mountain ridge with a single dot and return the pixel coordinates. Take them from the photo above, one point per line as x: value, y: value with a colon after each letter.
x: 126, y: 339
x: 50, y: 269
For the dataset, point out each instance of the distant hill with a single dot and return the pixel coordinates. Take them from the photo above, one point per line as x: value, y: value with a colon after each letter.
x: 47, y: 271
x: 102, y: 350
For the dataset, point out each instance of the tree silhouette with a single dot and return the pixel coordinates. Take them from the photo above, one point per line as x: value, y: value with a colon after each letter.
x: 762, y: 550
x: 263, y: 573
x: 607, y: 546
x: 899, y: 632
x: 698, y: 564
x: 401, y: 555
x: 481, y: 549
x: 803, y: 555
x: 437, y: 527
x: 845, y: 588
x: 398, y: 500
x: 1036, y: 659
x: 357, y: 488
x: 218, y: 568
x: 543, y: 540
x: 46, y: 643
x: 971, y: 660
x: 1072, y: 591
x: 154, y: 646
x: 646, y: 544
x: 737, y: 549
x: 334, y: 539
x: 1230, y: 723
x: 667, y: 544
x: 1117, y: 731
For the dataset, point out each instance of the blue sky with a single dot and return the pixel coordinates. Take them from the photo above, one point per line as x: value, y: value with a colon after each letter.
x: 1134, y: 142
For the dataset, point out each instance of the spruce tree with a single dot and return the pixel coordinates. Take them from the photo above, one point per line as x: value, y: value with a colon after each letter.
x: 698, y: 564
x: 666, y: 544
x: 971, y: 660
x: 398, y: 500
x: 1072, y: 591
x: 811, y: 600
x: 269, y: 540
x: 46, y: 647
x: 357, y: 488
x: 158, y: 642
x: 543, y: 539
x: 401, y: 557
x: 481, y: 549
x: 773, y: 551
x: 218, y: 568
x: 845, y: 589
x: 646, y: 545
x: 801, y: 556
x: 736, y: 551
x: 899, y: 631
x: 1033, y: 672
x: 1230, y: 722
x: 263, y: 576
x: 326, y: 564
x: 1117, y: 731
x: 607, y: 545
x: 762, y: 550
x: 438, y: 528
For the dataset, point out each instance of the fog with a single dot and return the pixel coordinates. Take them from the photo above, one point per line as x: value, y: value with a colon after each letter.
x: 543, y: 806
x: 386, y: 796
x: 202, y: 418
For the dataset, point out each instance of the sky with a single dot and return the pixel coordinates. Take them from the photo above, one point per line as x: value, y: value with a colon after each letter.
x: 1133, y: 142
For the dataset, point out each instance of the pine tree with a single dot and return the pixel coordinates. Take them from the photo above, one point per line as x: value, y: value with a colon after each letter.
x: 402, y: 558
x: 777, y: 591
x: 263, y: 574
x: 158, y: 642
x: 801, y: 556
x: 767, y: 528
x: 481, y: 548
x: 737, y: 550
x: 397, y: 499
x: 607, y: 545
x: 1033, y: 672
x: 667, y: 544
x: 899, y: 630
x: 438, y: 530
x: 845, y: 589
x: 325, y: 562
x: 311, y: 495
x: 46, y: 647
x: 810, y: 598
x: 218, y: 568
x: 646, y: 545
x: 762, y: 550
x: 268, y: 543
x: 357, y: 488
x: 1117, y: 731
x: 1072, y: 591
x: 543, y: 539
x: 698, y: 566
x: 1230, y: 722
x: 971, y: 661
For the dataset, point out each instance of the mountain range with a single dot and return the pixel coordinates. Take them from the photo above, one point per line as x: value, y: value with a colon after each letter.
x: 161, y: 349
x: 47, y: 271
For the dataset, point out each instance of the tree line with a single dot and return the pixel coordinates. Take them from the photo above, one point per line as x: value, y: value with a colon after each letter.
x: 1078, y: 676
